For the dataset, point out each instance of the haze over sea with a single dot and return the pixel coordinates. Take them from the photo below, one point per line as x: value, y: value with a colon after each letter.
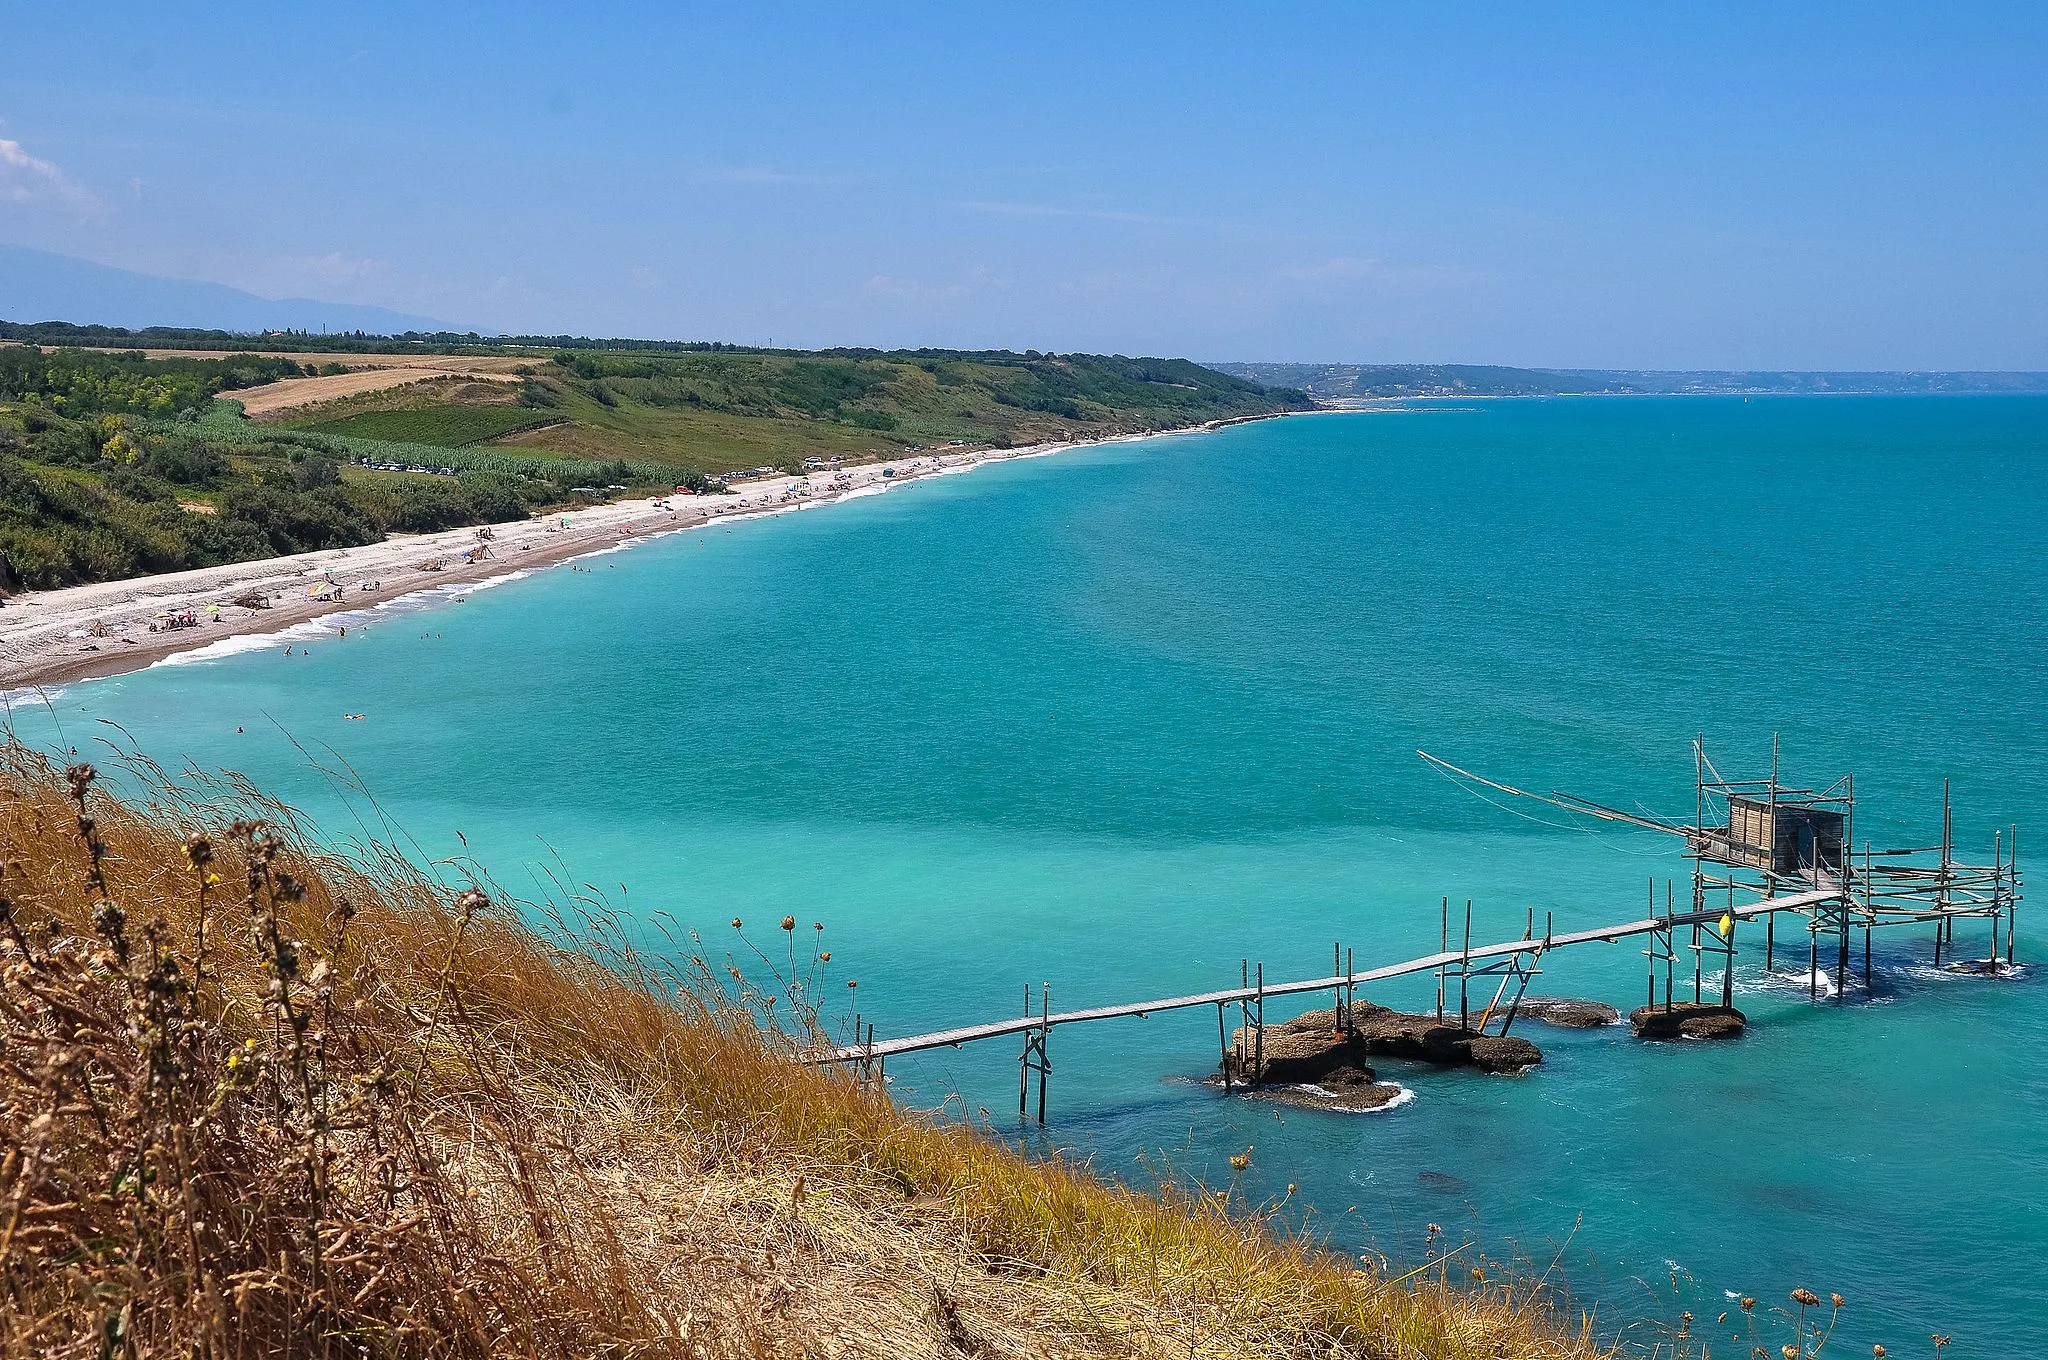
x: 1121, y: 718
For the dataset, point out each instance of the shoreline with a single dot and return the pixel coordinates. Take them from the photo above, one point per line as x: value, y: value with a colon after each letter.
x: 89, y: 632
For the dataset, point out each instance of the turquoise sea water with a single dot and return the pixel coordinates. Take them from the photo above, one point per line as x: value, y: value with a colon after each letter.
x: 1119, y: 719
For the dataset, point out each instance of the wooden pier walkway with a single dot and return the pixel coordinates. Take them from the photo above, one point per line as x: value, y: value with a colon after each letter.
x: 1338, y: 982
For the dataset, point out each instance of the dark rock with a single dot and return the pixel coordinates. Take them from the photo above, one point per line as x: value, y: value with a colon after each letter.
x: 1347, y: 1078
x: 1297, y: 1053
x: 1568, y: 1013
x: 1504, y: 1053
x: 1979, y: 968
x: 1352, y: 1098
x: 1687, y: 1020
x: 1309, y: 1048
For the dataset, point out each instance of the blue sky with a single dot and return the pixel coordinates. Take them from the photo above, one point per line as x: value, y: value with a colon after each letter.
x: 1633, y: 185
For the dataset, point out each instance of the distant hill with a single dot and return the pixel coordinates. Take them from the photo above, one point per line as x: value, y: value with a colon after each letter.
x: 38, y: 285
x: 1337, y: 382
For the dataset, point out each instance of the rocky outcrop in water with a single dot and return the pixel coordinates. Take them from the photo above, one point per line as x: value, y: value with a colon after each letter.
x: 1687, y: 1020
x: 1568, y: 1013
x: 1352, y: 1089
x: 1310, y: 1048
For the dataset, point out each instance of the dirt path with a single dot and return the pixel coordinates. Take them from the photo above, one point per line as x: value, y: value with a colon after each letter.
x: 292, y: 393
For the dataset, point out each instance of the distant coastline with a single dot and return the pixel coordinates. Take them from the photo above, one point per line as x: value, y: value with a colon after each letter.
x: 1385, y: 382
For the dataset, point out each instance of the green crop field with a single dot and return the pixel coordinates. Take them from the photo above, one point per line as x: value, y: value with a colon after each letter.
x: 444, y: 426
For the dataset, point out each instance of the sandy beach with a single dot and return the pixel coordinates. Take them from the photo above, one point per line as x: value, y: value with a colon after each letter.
x: 53, y: 636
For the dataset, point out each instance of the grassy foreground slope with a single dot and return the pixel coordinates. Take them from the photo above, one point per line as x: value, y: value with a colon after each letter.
x: 255, y: 1100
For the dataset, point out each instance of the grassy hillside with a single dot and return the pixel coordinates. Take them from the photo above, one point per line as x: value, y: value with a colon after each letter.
x: 721, y: 411
x: 115, y: 464
x: 273, y: 1103
x: 100, y: 497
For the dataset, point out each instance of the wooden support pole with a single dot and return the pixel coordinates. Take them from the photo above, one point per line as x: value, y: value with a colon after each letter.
x: 1728, y: 967
x: 1670, y: 940
x: 1770, y: 937
x: 1842, y: 959
x: 1337, y: 992
x: 1651, y: 954
x: 1812, y: 959
x: 1244, y: 1008
x: 2012, y: 892
x: 1443, y: 947
x: 1223, y: 1046
x: 1044, y: 1033
x: 1515, y: 1006
x: 1350, y: 991
x: 1699, y: 961
x: 1024, y: 1059
x: 1465, y: 972
x: 1259, y: 1034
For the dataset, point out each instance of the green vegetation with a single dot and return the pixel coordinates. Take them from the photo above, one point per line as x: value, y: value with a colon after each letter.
x: 116, y: 464
x: 107, y: 470
x: 444, y: 426
x: 720, y: 410
x: 79, y: 382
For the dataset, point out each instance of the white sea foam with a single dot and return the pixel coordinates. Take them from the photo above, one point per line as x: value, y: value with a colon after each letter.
x: 1402, y: 1096
x: 30, y: 695
x: 330, y: 625
x: 249, y: 642
x: 1780, y: 981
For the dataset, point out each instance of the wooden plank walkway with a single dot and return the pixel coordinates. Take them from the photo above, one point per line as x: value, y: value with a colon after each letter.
x: 953, y: 1038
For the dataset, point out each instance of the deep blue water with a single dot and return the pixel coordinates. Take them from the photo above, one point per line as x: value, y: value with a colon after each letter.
x: 1120, y: 719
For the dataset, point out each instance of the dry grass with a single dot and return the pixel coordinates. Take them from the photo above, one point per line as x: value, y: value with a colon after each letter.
x: 256, y: 1101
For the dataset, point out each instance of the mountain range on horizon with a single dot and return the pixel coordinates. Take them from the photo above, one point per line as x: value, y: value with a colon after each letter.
x: 41, y: 285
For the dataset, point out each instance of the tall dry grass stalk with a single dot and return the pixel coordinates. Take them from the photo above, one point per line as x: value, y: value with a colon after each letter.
x: 257, y: 1100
